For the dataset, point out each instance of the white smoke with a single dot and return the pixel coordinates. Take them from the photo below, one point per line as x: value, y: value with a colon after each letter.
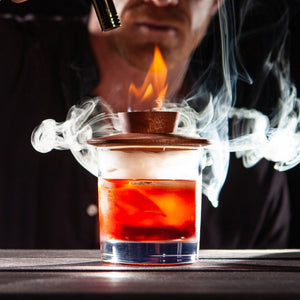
x: 252, y: 135
x: 81, y: 125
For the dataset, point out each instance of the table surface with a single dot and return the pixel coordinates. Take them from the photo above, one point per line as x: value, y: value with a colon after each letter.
x: 219, y: 274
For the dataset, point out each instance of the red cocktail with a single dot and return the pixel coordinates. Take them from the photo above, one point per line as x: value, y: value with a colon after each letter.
x: 147, y: 210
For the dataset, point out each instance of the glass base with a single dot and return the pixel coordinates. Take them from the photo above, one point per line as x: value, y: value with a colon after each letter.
x: 150, y: 253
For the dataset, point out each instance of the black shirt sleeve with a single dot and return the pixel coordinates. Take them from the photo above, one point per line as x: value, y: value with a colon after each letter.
x: 253, y: 211
x: 43, y: 197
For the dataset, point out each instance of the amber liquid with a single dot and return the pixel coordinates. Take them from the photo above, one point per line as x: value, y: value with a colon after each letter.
x: 147, y: 210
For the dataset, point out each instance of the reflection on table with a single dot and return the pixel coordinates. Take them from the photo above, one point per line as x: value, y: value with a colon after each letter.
x: 237, y: 274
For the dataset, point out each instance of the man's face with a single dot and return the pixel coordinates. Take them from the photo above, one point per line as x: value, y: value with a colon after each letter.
x: 176, y: 28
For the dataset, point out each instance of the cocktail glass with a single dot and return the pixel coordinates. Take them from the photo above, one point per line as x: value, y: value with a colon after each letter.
x: 149, y: 198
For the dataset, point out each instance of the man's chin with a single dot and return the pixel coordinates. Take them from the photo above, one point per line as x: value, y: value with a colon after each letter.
x: 142, y: 57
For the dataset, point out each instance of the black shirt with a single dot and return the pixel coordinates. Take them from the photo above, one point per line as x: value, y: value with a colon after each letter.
x: 46, y: 66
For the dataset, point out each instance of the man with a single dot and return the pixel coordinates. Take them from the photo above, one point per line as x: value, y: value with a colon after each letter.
x: 48, y: 200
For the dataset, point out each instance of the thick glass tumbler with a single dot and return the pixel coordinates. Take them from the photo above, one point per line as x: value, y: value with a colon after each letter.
x: 149, y: 204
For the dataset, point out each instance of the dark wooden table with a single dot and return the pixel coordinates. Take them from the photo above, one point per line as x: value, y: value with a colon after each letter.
x: 78, y: 274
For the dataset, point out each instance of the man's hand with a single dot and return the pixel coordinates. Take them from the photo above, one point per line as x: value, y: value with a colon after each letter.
x: 18, y: 1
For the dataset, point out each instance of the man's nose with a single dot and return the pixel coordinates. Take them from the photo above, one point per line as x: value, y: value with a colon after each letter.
x: 163, y: 2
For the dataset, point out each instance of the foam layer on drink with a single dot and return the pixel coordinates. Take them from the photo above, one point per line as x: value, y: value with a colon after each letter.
x: 173, y: 164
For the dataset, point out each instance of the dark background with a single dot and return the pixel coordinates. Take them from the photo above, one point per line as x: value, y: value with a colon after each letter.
x: 47, y: 7
x: 81, y: 8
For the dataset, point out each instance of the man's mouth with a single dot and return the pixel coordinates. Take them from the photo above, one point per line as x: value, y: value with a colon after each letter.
x: 157, y: 27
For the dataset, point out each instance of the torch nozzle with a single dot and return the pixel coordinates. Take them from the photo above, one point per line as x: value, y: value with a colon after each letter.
x: 107, y: 14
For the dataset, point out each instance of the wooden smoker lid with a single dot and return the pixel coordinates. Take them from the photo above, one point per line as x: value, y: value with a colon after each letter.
x: 149, y: 129
x: 148, y: 139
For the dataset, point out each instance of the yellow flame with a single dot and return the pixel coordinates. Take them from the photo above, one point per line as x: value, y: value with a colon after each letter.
x: 154, y: 87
